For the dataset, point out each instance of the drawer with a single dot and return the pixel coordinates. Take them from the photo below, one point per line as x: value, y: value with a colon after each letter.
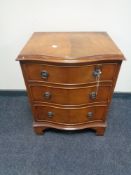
x: 70, y: 74
x: 70, y: 96
x: 69, y: 115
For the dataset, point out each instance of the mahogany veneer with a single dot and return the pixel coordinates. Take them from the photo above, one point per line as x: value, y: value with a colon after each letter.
x: 70, y: 78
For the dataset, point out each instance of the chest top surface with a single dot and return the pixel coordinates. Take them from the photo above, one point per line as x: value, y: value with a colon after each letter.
x: 70, y: 47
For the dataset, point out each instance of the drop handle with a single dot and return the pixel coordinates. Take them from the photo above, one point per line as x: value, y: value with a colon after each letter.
x: 50, y: 114
x: 47, y: 95
x: 97, y: 72
x: 92, y: 95
x: 90, y: 114
x: 44, y: 74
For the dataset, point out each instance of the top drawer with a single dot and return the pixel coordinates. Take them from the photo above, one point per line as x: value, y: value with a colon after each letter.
x: 70, y: 74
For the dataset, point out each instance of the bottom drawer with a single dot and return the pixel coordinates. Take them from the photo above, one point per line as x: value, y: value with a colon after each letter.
x: 69, y: 115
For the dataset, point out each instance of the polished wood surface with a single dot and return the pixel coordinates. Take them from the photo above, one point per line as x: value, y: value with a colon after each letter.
x: 70, y: 78
x: 68, y: 46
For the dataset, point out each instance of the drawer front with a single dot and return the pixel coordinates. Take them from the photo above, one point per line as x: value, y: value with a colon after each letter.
x: 69, y: 74
x: 69, y: 115
x: 70, y: 96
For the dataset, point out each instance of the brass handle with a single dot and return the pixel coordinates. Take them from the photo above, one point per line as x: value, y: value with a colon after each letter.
x: 50, y: 114
x: 93, y: 95
x: 44, y: 74
x: 90, y: 114
x: 47, y: 95
x: 97, y: 72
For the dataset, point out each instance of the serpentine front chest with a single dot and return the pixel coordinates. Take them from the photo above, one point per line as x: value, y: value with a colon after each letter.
x: 70, y: 78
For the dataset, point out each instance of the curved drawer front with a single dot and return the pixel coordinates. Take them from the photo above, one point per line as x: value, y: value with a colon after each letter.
x: 70, y: 96
x: 70, y: 74
x: 69, y: 115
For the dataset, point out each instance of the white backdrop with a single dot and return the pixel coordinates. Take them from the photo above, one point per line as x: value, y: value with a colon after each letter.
x: 20, y: 18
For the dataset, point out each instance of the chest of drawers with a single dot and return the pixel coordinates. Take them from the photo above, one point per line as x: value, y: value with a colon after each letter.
x: 70, y: 78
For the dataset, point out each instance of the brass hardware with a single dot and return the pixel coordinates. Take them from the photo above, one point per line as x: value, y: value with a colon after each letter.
x: 93, y: 95
x: 50, y: 114
x: 44, y: 74
x: 47, y: 95
x: 90, y: 114
x: 97, y: 72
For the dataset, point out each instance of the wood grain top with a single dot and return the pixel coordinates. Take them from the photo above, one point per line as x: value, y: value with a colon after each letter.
x: 70, y: 47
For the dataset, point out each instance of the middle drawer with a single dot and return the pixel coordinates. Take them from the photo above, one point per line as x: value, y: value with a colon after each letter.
x: 70, y: 96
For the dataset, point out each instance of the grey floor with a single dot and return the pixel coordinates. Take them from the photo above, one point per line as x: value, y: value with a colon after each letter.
x: 63, y: 153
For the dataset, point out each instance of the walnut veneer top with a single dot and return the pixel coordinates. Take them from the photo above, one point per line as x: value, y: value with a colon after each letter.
x: 70, y: 47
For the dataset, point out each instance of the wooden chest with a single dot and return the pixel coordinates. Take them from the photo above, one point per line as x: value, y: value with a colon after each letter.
x: 70, y: 78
